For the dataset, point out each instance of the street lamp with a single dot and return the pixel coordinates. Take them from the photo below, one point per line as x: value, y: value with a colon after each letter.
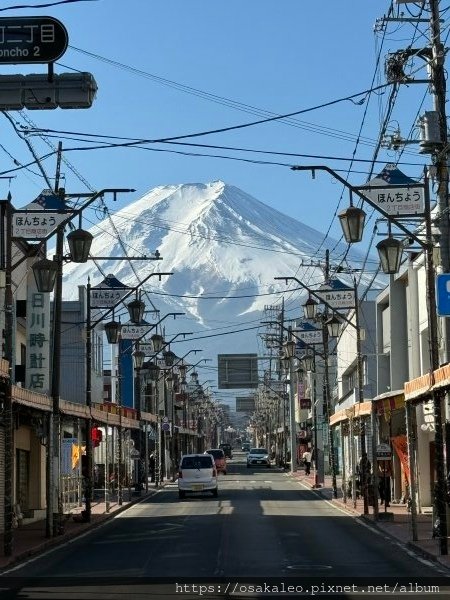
x: 136, y: 310
x: 390, y: 257
x: 112, y: 330
x: 390, y: 252
x: 289, y: 353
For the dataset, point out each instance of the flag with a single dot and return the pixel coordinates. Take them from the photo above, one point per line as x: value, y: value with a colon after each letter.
x: 76, y: 452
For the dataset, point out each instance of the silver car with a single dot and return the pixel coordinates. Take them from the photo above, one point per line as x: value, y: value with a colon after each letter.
x: 197, y: 473
x: 258, y: 457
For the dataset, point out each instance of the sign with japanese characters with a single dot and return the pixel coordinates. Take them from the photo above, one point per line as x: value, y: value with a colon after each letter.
x: 27, y: 40
x: 130, y: 331
x: 106, y: 297
x: 384, y: 452
x: 395, y: 193
x: 34, y: 225
x: 40, y: 218
x: 37, y: 372
x: 309, y: 336
x: 338, y: 298
x: 108, y: 293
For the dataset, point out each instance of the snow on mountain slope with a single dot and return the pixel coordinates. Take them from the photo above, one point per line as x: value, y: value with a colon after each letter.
x: 219, y: 241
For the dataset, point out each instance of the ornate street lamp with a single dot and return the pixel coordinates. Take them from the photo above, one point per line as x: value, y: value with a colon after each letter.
x: 169, y: 383
x: 45, y: 272
x: 169, y: 357
x: 390, y: 252
x: 182, y: 370
x: 136, y: 309
x: 352, y: 222
x: 157, y: 342
x: 334, y: 326
x: 289, y: 349
x: 308, y: 362
x: 112, y: 330
x: 80, y: 242
x: 138, y: 359
x: 310, y: 308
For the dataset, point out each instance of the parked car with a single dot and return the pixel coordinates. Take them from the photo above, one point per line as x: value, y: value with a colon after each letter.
x: 246, y: 447
x: 258, y: 457
x: 197, y: 473
x: 227, y: 449
x: 219, y: 458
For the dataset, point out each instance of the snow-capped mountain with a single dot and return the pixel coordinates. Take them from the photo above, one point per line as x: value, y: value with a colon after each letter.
x: 224, y: 247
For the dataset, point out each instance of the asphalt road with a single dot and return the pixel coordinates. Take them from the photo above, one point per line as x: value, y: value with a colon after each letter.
x: 263, y: 524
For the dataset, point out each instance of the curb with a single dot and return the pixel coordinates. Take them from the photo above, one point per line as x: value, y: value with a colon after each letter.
x: 411, y: 545
x: 65, y: 537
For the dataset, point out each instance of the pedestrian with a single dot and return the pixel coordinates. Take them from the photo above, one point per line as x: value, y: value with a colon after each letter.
x: 384, y: 482
x: 272, y: 451
x: 151, y: 464
x: 363, y: 474
x: 306, y: 456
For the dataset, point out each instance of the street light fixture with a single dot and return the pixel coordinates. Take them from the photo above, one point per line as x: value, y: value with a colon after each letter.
x: 352, y: 222
x: 390, y: 251
x: 136, y: 310
x: 310, y: 307
x: 80, y: 242
x: 112, y: 330
x: 157, y: 342
x: 45, y: 272
x: 427, y: 246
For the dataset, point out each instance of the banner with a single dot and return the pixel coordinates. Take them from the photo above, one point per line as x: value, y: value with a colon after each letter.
x: 400, y: 446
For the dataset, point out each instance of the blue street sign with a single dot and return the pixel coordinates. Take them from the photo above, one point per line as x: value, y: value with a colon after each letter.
x: 443, y: 294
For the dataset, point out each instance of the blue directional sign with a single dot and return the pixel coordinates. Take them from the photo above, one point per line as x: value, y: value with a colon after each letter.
x: 443, y: 294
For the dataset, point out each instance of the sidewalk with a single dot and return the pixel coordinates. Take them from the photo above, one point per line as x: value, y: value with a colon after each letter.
x: 396, y: 524
x: 29, y: 540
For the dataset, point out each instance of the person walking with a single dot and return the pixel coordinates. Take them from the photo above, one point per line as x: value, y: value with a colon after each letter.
x: 384, y: 482
x: 306, y: 456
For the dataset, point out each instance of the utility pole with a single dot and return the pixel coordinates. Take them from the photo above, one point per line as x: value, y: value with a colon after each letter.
x: 438, y: 86
x: 326, y: 383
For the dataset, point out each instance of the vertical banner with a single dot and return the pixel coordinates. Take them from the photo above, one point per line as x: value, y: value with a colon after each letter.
x: 38, y: 338
x: 70, y: 455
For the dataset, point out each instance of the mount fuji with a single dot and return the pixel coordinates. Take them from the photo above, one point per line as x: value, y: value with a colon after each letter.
x: 224, y: 247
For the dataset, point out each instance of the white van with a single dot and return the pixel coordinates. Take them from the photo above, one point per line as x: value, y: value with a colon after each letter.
x: 197, y: 473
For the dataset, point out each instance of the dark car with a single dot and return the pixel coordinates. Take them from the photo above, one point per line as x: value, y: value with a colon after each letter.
x: 227, y: 450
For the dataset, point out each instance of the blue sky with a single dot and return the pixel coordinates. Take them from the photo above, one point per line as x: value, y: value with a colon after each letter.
x: 281, y: 57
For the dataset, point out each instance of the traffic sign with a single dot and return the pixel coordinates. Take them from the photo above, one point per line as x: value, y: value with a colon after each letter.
x: 26, y: 40
x: 383, y: 452
x: 165, y: 426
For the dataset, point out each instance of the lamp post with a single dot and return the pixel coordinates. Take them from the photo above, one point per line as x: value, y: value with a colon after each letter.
x: 289, y: 349
x: 48, y: 274
x: 352, y: 221
x: 332, y: 329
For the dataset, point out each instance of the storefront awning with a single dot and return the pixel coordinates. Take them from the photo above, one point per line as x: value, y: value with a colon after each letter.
x: 389, y: 401
x: 352, y: 412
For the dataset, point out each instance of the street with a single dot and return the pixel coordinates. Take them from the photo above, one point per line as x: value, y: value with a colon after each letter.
x: 263, y: 524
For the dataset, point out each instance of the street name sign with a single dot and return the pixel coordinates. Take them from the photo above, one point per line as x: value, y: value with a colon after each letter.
x: 36, y: 225
x: 395, y: 193
x: 27, y: 40
x: 309, y: 336
x: 41, y: 217
x: 384, y: 452
x: 134, y: 332
x: 338, y: 298
x: 108, y: 293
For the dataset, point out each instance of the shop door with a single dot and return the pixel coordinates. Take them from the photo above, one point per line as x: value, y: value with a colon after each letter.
x: 22, y: 478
